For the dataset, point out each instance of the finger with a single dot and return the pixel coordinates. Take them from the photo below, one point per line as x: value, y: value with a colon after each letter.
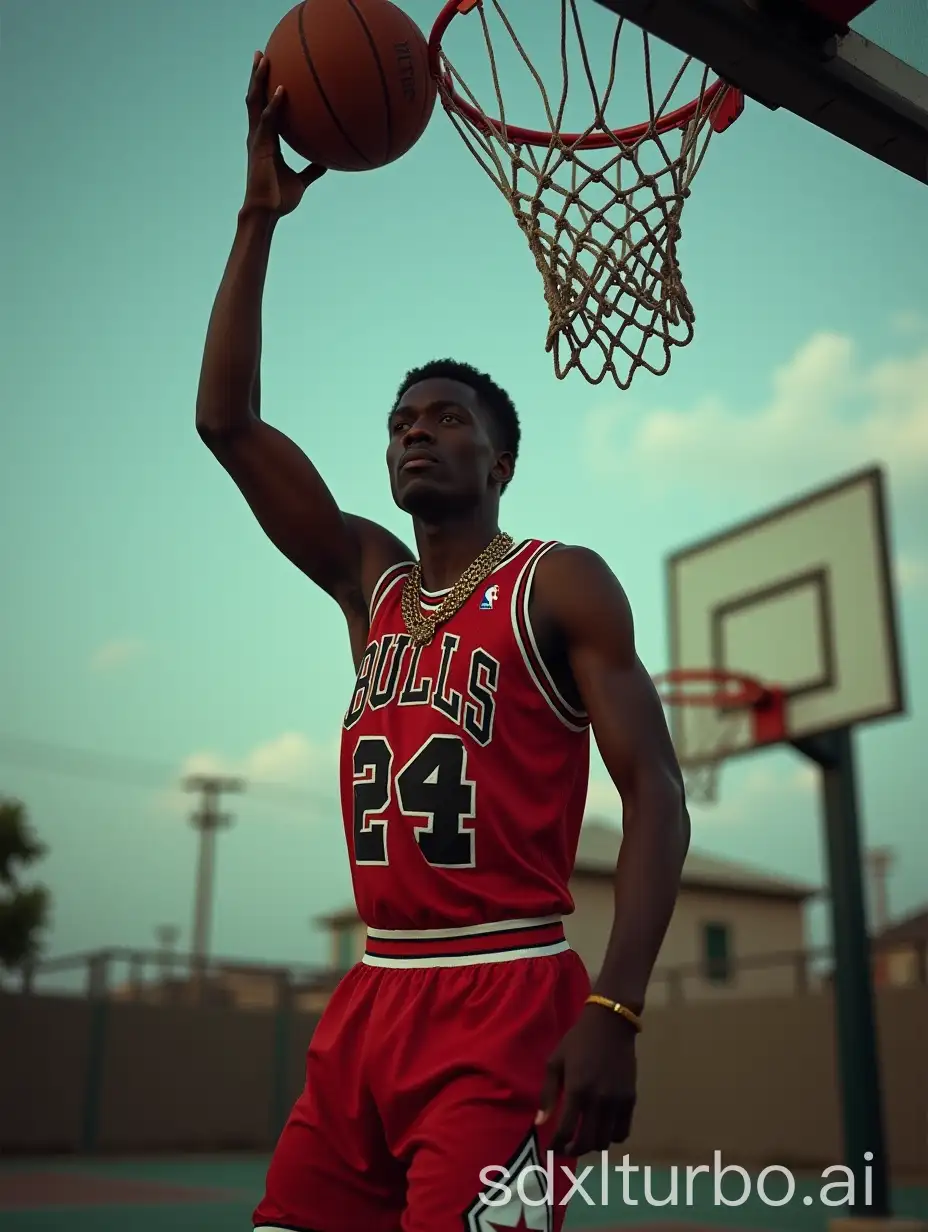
x: 265, y: 133
x: 554, y: 1080
x: 568, y: 1123
x: 272, y: 108
x: 256, y: 96
x: 622, y: 1121
x: 310, y: 174
x: 594, y: 1132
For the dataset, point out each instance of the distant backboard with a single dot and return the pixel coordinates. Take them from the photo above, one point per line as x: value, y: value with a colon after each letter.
x: 801, y: 597
x: 867, y: 85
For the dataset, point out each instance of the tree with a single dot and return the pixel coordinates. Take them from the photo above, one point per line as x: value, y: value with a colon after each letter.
x: 24, y: 910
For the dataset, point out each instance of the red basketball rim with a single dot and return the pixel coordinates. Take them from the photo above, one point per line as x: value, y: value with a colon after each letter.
x: 730, y: 108
x: 732, y: 688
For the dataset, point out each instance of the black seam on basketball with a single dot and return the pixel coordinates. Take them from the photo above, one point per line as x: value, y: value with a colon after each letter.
x: 427, y: 83
x: 383, y: 77
x: 322, y: 94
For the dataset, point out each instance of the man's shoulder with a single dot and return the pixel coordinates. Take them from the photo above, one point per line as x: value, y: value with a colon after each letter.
x: 573, y: 563
x: 575, y: 585
x: 380, y: 551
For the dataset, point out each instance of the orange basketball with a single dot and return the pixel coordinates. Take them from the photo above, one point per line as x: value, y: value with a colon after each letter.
x: 358, y: 89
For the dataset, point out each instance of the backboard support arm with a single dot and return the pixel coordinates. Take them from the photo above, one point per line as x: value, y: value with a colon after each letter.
x: 840, y: 82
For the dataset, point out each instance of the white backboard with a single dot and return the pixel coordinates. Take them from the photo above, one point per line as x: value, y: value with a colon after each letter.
x: 801, y: 597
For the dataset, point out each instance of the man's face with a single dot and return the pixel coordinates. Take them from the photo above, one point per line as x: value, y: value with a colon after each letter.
x: 441, y: 453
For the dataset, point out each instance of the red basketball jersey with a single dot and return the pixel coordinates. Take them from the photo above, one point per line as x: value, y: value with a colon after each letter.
x: 464, y: 772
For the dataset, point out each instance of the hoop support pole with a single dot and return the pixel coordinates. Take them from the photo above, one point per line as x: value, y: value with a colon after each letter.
x: 855, y: 1015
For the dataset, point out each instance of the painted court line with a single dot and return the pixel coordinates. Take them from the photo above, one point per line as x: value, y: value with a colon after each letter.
x: 35, y: 1190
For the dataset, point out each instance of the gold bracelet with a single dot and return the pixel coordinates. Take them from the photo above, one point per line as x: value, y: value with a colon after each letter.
x: 622, y: 1010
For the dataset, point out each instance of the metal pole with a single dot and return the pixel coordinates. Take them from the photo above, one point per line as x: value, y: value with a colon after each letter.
x: 855, y: 1018
x: 203, y: 892
x: 207, y: 820
x: 280, y: 1066
x: 98, y: 972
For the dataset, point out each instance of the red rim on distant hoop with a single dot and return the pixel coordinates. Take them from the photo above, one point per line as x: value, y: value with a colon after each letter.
x: 733, y: 688
x: 728, y: 110
x: 732, y: 691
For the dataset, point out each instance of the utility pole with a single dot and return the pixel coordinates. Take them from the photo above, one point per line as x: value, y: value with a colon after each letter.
x: 207, y: 819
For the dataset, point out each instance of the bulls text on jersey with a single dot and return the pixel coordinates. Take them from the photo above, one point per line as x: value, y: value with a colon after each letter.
x: 389, y: 673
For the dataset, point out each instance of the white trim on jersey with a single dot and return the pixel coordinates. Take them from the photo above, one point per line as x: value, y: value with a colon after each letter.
x: 468, y: 930
x: 435, y: 596
x: 468, y: 960
x: 546, y: 686
x: 381, y: 590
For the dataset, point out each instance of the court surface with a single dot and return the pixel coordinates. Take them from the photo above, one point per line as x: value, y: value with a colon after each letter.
x: 218, y: 1195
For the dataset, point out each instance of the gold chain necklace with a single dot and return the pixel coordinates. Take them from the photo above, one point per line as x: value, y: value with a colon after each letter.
x: 421, y: 628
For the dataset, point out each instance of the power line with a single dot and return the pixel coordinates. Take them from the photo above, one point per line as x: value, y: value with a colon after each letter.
x: 130, y: 771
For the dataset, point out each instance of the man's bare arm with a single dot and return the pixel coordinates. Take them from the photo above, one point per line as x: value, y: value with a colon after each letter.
x: 582, y: 598
x: 342, y: 554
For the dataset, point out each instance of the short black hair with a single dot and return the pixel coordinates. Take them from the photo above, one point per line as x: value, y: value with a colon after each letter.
x: 495, y: 400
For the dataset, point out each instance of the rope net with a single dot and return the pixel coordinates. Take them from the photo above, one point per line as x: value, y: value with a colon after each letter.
x: 601, y: 214
x: 710, y: 719
x: 711, y: 738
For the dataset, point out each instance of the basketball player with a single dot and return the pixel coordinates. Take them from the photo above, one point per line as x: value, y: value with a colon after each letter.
x: 464, y: 1047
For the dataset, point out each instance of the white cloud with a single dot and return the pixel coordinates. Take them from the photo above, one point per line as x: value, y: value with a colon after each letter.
x: 290, y: 761
x: 828, y: 410
x: 117, y: 653
x: 290, y: 758
x: 911, y: 571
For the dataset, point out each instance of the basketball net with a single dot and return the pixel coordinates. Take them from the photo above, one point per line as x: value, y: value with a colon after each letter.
x: 718, y: 712
x: 600, y: 209
x: 712, y: 738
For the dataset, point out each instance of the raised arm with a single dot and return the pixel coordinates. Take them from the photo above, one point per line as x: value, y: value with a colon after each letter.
x: 342, y: 554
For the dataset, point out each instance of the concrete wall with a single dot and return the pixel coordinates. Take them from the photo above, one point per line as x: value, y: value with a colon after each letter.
x: 118, y: 1076
x: 756, y: 1079
x: 753, y: 1078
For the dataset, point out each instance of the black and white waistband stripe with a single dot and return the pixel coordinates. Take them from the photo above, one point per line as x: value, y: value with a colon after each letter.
x: 499, y: 941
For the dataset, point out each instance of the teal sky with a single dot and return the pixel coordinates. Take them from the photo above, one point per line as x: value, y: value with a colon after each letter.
x: 144, y: 614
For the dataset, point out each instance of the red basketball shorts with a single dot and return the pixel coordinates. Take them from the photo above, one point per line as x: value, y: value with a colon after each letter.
x: 422, y: 1086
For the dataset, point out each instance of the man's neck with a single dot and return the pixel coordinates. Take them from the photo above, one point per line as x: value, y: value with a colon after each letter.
x: 447, y: 549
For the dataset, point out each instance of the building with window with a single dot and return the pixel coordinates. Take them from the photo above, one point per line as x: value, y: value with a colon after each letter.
x: 900, y: 957
x: 737, y: 931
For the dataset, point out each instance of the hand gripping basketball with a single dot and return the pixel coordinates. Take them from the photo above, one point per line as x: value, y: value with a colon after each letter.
x: 272, y: 186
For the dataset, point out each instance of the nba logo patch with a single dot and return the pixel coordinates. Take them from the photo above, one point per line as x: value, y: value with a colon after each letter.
x: 490, y: 595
